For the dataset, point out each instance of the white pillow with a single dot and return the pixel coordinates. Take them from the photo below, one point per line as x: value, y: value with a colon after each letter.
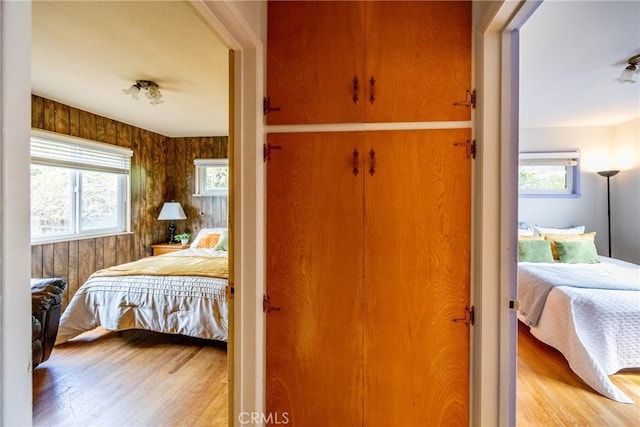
x: 525, y: 232
x: 569, y: 230
x: 206, y: 231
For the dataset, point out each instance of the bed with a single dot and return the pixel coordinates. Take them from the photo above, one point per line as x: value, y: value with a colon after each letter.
x: 590, y: 312
x: 182, y: 292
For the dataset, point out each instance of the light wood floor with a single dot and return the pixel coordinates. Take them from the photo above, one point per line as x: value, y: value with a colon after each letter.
x: 550, y: 394
x: 132, y: 378
x: 138, y: 378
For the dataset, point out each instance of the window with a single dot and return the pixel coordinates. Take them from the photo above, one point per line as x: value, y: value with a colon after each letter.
x: 79, y: 188
x: 549, y: 174
x: 212, y: 177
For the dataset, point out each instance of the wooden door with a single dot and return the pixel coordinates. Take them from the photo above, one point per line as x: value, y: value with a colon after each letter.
x: 314, y: 51
x: 417, y: 255
x: 314, y: 276
x: 419, y: 53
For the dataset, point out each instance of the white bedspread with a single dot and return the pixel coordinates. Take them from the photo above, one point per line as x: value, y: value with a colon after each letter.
x: 542, y: 277
x: 597, y: 330
x: 188, y: 305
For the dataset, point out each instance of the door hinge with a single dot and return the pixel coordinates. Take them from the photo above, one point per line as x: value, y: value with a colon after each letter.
x: 514, y: 305
x: 266, y: 106
x: 266, y: 305
x: 266, y: 151
x: 470, y: 100
x: 469, y: 316
x: 471, y: 147
x: 229, y: 291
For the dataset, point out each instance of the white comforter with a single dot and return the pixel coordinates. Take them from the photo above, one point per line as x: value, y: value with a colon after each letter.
x: 597, y: 330
x: 188, y: 305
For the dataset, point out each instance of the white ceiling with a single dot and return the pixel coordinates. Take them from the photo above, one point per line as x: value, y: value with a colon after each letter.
x: 84, y: 53
x: 571, y: 55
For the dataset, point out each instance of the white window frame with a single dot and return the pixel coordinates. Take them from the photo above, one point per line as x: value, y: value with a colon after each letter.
x: 201, y: 177
x: 569, y: 159
x: 82, y: 155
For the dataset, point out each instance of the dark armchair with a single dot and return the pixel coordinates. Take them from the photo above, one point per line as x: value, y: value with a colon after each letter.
x: 46, y: 299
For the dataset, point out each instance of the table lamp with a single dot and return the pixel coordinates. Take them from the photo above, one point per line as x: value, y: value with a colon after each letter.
x: 172, y: 211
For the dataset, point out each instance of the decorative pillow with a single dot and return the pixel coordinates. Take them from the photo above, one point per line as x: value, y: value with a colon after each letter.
x: 534, y: 251
x: 568, y: 238
x: 525, y: 232
x: 536, y: 237
x: 223, y: 243
x: 208, y: 241
x: 525, y: 229
x: 205, y: 232
x: 577, y: 252
x: 549, y: 230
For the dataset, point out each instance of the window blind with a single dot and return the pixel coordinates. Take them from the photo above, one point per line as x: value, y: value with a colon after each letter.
x: 53, y: 149
x: 550, y: 158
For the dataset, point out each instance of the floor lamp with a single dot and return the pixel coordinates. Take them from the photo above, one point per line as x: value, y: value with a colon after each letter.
x: 608, y: 175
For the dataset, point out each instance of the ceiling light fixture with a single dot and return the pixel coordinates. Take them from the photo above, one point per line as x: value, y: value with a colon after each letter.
x: 633, y: 67
x: 151, y: 88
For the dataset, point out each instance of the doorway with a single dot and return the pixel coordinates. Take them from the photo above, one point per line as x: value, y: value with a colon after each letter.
x: 16, y: 407
x: 91, y: 123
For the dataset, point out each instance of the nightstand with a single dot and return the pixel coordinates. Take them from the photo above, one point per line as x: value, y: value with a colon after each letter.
x: 165, y: 248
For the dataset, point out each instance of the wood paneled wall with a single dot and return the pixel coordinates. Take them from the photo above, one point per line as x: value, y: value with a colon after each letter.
x: 201, y: 211
x: 161, y: 170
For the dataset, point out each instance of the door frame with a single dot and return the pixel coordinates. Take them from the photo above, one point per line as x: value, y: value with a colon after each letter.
x: 491, y: 266
x: 15, y: 251
x: 495, y: 218
x: 248, y: 219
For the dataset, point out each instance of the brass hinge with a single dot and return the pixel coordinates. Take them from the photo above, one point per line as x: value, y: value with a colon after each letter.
x: 470, y: 100
x: 266, y: 106
x: 469, y: 316
x: 471, y: 147
x: 229, y: 291
x: 266, y: 151
x: 266, y: 306
x: 514, y: 305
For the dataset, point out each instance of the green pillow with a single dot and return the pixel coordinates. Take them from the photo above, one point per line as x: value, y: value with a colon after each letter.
x: 534, y: 251
x: 577, y: 252
x: 223, y: 243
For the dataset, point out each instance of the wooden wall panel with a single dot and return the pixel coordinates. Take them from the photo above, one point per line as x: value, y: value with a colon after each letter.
x: 88, y: 125
x: 48, y: 115
x: 161, y: 170
x: 136, y: 198
x: 123, y: 249
x: 98, y: 254
x: 109, y: 257
x: 61, y: 266
x: 47, y: 260
x: 36, y: 261
x: 74, y: 122
x: 202, y: 212
x: 87, y: 247
x: 61, y: 118
x: 37, y: 112
x: 74, y: 261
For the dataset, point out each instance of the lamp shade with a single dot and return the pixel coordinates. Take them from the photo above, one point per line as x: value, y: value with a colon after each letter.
x: 608, y: 174
x: 171, y: 211
x: 627, y: 75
